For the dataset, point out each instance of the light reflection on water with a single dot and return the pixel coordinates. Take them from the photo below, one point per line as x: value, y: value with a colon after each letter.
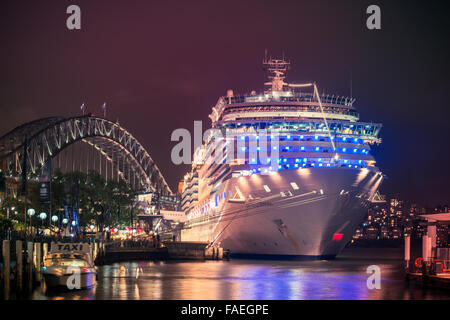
x: 343, y: 278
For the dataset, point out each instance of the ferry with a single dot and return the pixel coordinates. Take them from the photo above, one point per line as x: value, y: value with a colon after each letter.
x: 64, y: 261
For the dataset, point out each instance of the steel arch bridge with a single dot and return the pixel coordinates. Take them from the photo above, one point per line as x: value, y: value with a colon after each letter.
x: 47, y: 137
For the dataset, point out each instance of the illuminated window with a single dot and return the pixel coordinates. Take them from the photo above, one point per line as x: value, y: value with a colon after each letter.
x: 294, y: 186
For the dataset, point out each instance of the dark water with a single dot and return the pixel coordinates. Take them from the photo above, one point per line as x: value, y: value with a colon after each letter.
x: 343, y: 278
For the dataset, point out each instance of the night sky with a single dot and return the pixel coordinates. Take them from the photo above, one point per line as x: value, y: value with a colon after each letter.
x: 160, y: 65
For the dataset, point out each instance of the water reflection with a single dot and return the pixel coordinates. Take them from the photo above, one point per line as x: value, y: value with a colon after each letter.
x: 344, y: 278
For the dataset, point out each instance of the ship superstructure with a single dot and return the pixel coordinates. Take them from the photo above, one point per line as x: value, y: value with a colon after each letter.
x: 285, y: 172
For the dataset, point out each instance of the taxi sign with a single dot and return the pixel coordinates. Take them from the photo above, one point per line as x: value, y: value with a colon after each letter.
x: 70, y: 247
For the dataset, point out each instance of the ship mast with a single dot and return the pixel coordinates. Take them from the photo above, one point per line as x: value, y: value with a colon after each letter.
x: 276, y: 70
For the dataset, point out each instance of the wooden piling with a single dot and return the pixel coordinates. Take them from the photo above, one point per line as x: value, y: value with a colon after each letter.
x: 44, y: 251
x: 6, y: 268
x: 37, y: 261
x: 95, y: 250
x: 30, y: 265
x: 19, y: 265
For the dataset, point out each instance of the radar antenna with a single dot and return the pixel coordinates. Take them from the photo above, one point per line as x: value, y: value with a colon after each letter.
x: 276, y: 72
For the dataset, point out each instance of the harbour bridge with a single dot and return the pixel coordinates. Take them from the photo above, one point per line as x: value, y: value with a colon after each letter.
x: 81, y: 143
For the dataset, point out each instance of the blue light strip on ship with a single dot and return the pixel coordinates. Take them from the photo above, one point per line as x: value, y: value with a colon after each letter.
x: 309, y: 138
x: 296, y: 163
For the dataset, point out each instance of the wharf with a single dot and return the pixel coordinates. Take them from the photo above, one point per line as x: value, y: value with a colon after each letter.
x: 193, y: 250
x: 440, y: 280
x: 170, y: 250
x: 130, y: 254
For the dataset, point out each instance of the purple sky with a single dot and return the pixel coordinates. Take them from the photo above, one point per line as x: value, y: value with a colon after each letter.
x: 160, y: 65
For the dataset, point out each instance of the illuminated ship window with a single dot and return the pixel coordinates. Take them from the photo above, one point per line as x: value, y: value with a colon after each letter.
x: 294, y: 186
x: 266, y: 188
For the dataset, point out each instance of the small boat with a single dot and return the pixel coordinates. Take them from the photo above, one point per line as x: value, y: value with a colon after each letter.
x: 69, y: 265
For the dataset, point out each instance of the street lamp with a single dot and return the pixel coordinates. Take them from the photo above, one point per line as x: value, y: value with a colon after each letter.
x: 42, y: 216
x: 54, y: 220
x: 65, y: 221
x: 30, y: 213
x: 7, y: 211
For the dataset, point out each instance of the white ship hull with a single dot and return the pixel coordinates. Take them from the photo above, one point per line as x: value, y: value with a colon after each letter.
x: 315, y: 220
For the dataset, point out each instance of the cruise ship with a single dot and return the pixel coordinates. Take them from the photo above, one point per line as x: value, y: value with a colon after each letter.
x: 284, y: 173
